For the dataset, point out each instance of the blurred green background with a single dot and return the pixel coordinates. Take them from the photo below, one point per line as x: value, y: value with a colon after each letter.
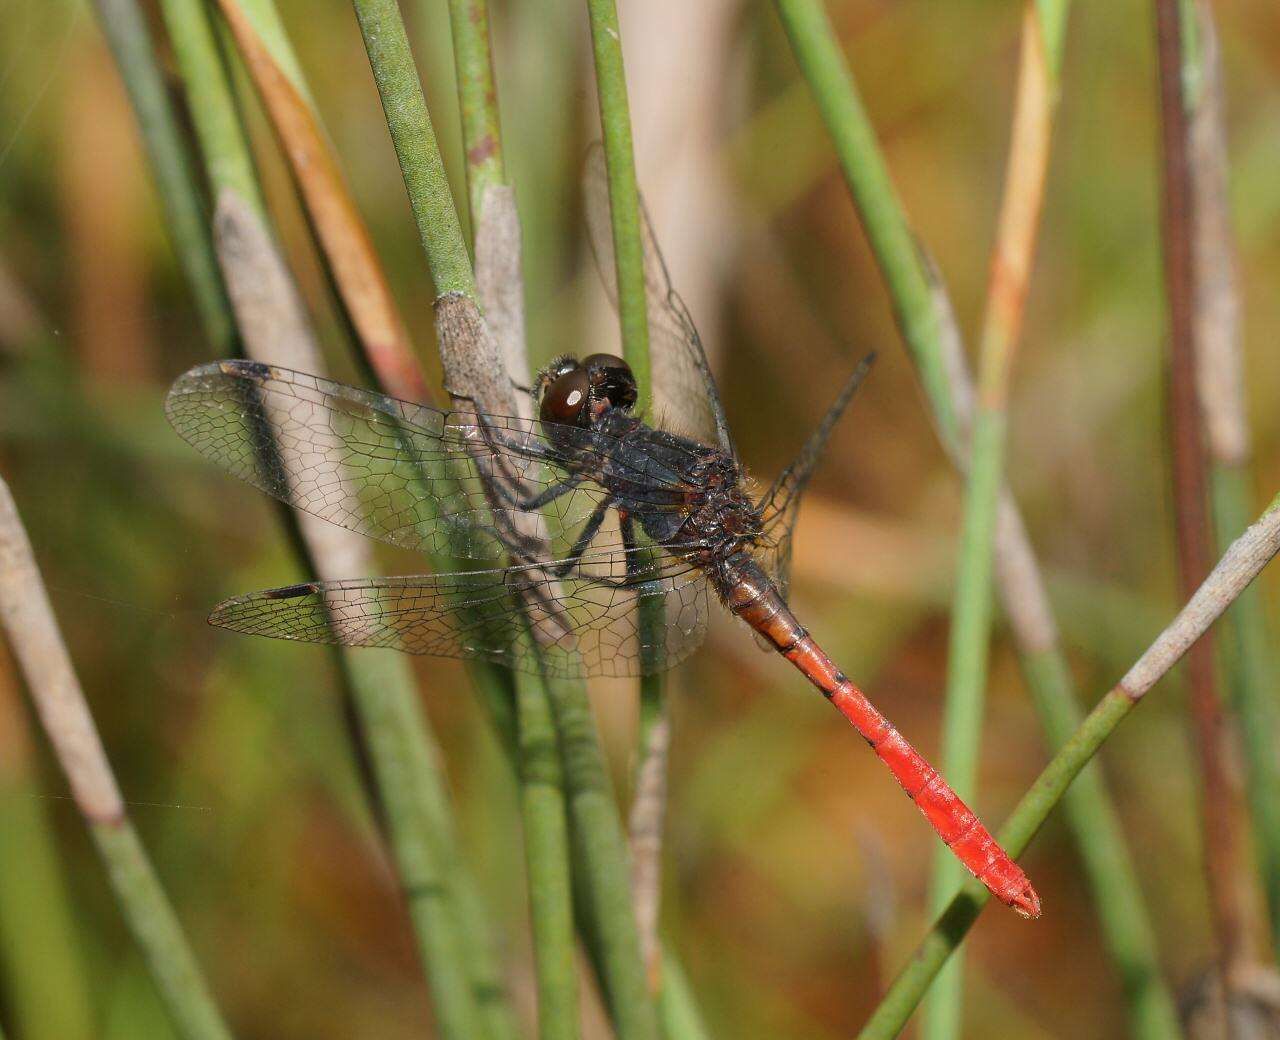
x: 794, y: 873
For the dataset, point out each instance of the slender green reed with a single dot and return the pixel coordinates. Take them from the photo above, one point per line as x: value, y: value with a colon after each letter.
x: 125, y: 27
x: 1239, y: 565
x: 542, y: 779
x: 677, y: 1010
x: 624, y: 195
x: 443, y: 905
x: 546, y: 848
x: 269, y: 28
x: 409, y: 122
x: 896, y: 250
x: 1249, y: 662
x: 601, y: 847
x: 597, y: 833
x: 971, y: 613
x: 1251, y: 675
x: 905, y: 268
x: 158, y: 932
x: 478, y: 99
x: 633, y: 315
x: 228, y: 161
x: 392, y: 725
x: 544, y: 814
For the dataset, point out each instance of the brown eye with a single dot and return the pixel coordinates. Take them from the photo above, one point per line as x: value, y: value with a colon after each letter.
x: 565, y: 399
x: 611, y: 379
x: 604, y: 361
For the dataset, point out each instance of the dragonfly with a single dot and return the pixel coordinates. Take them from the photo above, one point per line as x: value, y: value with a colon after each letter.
x: 594, y: 539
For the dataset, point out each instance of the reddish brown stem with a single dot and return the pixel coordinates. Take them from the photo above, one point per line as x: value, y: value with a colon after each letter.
x: 1221, y: 842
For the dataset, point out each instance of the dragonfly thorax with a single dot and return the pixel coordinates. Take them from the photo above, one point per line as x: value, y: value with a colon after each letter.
x: 727, y: 519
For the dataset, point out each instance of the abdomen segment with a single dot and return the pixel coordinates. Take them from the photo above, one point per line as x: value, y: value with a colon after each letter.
x: 754, y: 599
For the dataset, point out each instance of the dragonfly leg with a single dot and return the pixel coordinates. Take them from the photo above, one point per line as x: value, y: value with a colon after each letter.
x: 635, y: 570
x: 589, y: 531
x: 528, y: 544
x: 548, y: 495
x: 501, y: 449
x: 525, y: 449
x: 627, y: 529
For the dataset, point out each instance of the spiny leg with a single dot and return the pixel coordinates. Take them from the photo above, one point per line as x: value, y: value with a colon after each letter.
x: 509, y: 490
x: 589, y: 531
x: 627, y: 528
x: 530, y: 545
x: 650, y: 624
x: 548, y: 495
x: 490, y: 433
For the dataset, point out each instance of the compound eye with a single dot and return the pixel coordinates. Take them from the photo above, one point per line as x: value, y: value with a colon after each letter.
x: 565, y: 399
x: 611, y: 379
x: 605, y: 361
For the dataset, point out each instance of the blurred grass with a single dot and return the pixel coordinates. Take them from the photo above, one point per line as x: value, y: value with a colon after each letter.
x: 273, y: 863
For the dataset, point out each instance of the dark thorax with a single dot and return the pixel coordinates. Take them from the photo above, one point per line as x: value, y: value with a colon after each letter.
x: 686, y: 496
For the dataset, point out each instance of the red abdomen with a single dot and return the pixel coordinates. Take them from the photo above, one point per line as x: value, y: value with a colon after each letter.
x: 752, y: 596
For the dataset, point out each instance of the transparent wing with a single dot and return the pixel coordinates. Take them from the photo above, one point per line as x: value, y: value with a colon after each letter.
x: 685, y: 397
x: 773, y: 551
x: 780, y: 505
x: 586, y: 623
x: 407, y: 474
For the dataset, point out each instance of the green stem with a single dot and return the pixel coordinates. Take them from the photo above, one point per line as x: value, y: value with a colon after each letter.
x: 126, y: 29
x: 448, y: 913
x: 31, y: 629
x: 393, y: 726
x: 1012, y: 258
x: 1251, y: 674
x: 542, y: 796
x: 478, y: 99
x: 624, y: 195
x: 966, y: 685
x: 211, y: 102
x: 901, y: 264
x: 597, y: 833
x: 443, y: 904
x: 908, y: 279
x: 270, y: 29
x: 681, y: 1019
x: 156, y: 928
x: 629, y: 265
x: 601, y: 849
x: 405, y: 108
x: 546, y: 847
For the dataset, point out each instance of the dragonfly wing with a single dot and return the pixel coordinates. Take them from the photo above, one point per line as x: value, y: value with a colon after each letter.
x: 404, y: 473
x: 582, y: 624
x: 685, y: 397
x: 780, y: 505
x: 773, y: 551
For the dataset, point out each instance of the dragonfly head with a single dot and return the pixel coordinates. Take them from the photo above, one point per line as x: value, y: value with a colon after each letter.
x: 576, y: 393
